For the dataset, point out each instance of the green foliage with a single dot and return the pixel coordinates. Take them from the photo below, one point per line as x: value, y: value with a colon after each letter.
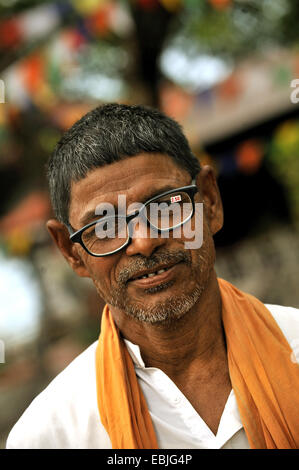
x: 241, y: 29
x: 284, y: 161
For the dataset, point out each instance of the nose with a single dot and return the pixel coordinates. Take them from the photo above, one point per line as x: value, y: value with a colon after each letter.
x: 144, y: 239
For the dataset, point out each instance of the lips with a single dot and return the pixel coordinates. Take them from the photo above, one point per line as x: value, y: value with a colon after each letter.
x: 152, y: 277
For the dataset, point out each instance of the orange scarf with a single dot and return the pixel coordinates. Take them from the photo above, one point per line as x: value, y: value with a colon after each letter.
x: 264, y: 379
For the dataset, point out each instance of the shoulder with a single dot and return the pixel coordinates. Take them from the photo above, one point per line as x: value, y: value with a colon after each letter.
x: 287, y: 319
x: 65, y: 414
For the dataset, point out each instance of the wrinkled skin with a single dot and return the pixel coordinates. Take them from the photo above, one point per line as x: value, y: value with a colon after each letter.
x: 177, y: 323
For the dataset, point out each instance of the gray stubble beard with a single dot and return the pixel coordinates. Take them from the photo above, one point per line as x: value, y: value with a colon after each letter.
x: 174, y: 307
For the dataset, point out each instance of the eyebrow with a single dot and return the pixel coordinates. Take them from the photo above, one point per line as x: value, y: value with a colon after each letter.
x: 89, y: 216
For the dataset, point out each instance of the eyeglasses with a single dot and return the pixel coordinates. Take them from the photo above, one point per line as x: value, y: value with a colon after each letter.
x: 163, y: 213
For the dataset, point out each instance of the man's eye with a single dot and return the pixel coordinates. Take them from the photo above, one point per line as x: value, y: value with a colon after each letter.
x: 89, y: 233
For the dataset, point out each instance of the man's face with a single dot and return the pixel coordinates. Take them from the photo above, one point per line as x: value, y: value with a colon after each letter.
x: 181, y: 275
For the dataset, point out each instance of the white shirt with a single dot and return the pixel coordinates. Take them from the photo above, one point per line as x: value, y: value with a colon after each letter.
x: 65, y: 415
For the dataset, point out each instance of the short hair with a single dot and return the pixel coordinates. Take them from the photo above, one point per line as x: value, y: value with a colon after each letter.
x: 107, y: 134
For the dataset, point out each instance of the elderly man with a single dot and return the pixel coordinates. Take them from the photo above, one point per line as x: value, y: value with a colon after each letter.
x: 184, y: 359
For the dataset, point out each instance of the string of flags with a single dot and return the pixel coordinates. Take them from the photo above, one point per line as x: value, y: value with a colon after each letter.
x: 91, y: 18
x: 35, y: 79
x: 98, y: 17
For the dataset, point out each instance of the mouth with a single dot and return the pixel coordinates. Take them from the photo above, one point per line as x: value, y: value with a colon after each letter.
x: 153, y: 277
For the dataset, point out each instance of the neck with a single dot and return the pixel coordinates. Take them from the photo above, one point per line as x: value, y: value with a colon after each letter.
x: 196, y: 338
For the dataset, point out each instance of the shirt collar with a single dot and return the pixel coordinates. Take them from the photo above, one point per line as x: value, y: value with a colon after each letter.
x: 134, y: 351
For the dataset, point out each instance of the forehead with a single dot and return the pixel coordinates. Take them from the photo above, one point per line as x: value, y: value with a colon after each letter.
x: 133, y: 177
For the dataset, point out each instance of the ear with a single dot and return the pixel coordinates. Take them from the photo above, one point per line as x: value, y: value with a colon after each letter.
x: 61, y: 238
x: 208, y: 188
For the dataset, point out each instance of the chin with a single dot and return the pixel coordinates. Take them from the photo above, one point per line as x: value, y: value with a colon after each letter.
x: 163, y: 311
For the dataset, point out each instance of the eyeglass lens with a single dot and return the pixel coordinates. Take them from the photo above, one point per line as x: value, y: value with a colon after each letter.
x: 112, y: 233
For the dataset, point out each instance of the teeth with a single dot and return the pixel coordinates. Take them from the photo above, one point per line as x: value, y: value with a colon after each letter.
x: 153, y: 274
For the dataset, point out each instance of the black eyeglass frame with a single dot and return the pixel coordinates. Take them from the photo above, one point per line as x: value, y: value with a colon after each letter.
x: 76, y: 237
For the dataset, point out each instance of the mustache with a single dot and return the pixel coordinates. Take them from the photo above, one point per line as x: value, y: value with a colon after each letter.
x: 140, y: 263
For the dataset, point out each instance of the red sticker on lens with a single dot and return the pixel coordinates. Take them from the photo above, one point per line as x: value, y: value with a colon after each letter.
x: 177, y: 198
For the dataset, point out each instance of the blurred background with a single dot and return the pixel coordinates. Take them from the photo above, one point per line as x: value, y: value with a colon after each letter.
x: 222, y: 68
